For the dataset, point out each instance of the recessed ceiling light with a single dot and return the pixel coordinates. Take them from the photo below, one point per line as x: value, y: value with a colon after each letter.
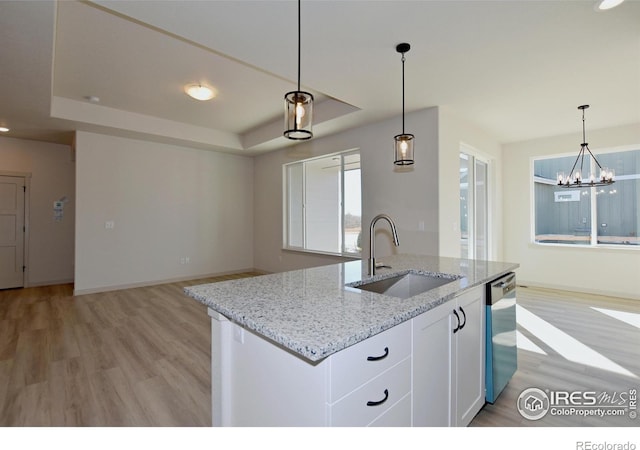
x: 4, y: 129
x: 603, y: 5
x: 199, y: 92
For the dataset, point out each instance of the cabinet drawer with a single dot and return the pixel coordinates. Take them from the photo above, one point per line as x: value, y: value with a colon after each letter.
x: 392, y: 385
x: 350, y: 367
x: 399, y: 415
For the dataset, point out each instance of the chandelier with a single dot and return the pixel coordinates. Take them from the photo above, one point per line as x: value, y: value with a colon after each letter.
x: 602, y: 177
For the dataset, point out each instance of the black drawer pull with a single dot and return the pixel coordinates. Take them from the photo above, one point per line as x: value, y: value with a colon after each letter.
x: 386, y: 396
x: 458, y: 327
x: 464, y: 316
x: 378, y: 358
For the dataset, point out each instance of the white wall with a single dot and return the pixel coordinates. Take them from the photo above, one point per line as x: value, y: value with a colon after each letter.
x: 455, y: 131
x: 50, y: 246
x: 167, y: 203
x: 611, y: 271
x: 409, y: 197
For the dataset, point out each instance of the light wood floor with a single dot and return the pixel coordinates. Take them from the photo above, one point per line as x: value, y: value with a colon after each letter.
x: 572, y: 314
x: 141, y: 357
x: 136, y: 357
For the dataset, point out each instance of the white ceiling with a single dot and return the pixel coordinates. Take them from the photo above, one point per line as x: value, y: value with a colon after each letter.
x: 518, y: 69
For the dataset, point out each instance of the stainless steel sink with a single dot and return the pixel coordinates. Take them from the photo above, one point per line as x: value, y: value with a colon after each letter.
x: 406, y: 285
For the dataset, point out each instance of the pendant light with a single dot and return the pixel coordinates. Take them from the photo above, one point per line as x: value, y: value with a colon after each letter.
x: 403, y: 143
x: 605, y: 176
x: 298, y: 107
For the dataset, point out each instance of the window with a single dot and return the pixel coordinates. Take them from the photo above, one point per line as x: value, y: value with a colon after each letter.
x: 323, y: 204
x: 606, y: 215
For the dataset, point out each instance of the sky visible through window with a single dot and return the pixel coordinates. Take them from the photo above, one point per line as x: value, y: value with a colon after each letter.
x: 352, y: 198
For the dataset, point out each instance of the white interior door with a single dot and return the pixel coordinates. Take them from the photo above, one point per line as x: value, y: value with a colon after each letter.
x: 12, y: 192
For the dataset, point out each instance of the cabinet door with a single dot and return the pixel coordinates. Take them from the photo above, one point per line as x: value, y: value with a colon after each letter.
x: 469, y: 357
x: 432, y: 350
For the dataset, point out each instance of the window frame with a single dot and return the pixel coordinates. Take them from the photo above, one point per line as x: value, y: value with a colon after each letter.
x: 593, y: 241
x: 287, y: 205
x: 474, y: 156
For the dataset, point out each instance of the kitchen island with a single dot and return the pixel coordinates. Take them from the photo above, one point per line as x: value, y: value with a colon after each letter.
x: 288, y: 348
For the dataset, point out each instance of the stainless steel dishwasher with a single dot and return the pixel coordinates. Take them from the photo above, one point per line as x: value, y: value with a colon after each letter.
x: 501, y: 352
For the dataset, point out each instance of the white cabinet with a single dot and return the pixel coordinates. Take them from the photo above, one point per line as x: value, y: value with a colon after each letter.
x: 427, y: 371
x: 257, y: 382
x: 375, y: 398
x: 354, y: 366
x: 469, y: 354
x: 370, y: 378
x: 432, y: 367
x: 448, y: 362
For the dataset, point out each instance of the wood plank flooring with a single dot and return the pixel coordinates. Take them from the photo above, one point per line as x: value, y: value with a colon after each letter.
x: 573, y: 315
x: 136, y: 357
x: 141, y: 357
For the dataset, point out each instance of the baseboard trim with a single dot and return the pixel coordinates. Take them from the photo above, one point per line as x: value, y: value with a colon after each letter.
x: 120, y: 287
x: 48, y: 283
x: 535, y: 284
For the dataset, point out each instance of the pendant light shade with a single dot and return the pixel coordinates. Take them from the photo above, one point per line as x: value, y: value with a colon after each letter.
x: 298, y: 107
x: 298, y: 115
x: 601, y: 177
x: 403, y: 143
x: 403, y: 149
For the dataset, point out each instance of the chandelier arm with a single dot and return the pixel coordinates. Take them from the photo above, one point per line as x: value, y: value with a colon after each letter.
x: 594, y: 157
x: 575, y: 162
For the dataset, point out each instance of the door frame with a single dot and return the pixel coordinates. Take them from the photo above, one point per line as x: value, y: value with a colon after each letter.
x: 27, y: 196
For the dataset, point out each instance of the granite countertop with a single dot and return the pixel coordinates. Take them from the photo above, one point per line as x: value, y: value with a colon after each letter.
x: 313, y: 313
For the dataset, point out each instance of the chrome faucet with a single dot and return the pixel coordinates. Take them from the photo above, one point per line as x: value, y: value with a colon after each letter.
x: 372, y: 252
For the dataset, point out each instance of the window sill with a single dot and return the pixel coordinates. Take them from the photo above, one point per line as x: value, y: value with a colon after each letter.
x: 351, y: 256
x: 621, y: 247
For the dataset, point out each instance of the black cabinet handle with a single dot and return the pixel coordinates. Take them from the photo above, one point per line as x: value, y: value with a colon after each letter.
x: 378, y: 358
x: 380, y: 402
x: 464, y: 316
x: 458, y: 327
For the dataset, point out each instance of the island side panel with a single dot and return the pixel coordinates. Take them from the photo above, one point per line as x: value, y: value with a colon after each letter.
x: 220, y: 369
x: 256, y: 382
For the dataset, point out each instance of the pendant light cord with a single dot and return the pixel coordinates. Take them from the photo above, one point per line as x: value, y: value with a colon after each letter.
x: 403, y: 93
x: 298, y: 45
x: 586, y: 145
x: 584, y: 138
